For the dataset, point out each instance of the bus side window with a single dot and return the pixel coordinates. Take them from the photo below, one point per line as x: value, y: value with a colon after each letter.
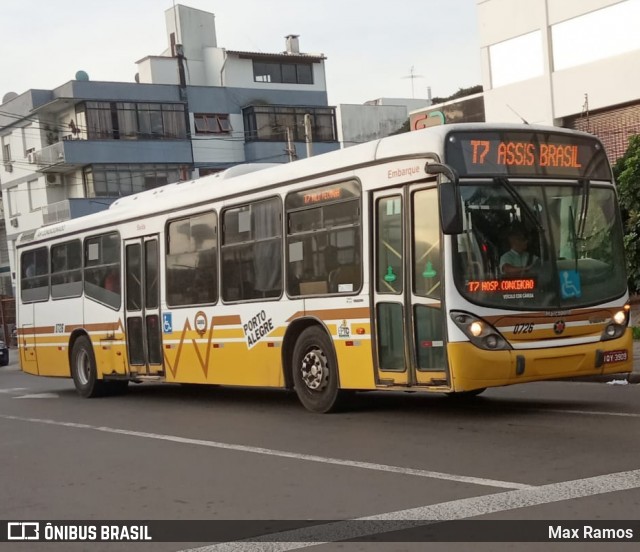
x: 34, y: 275
x: 251, y: 251
x: 102, y: 269
x: 192, y: 255
x: 323, y: 240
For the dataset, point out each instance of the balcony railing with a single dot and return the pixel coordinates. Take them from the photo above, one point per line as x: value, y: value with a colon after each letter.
x: 73, y: 208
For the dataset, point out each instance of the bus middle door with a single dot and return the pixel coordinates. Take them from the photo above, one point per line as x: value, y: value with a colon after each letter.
x: 142, y: 306
x: 407, y: 289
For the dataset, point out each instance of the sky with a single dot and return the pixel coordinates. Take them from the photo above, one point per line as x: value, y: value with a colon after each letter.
x: 372, y: 47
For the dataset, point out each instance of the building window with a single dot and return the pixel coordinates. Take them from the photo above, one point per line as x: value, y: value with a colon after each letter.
x: 212, y: 123
x: 132, y: 121
x: 123, y: 180
x: 289, y: 73
x: 6, y: 157
x: 35, y: 202
x: 614, y: 26
x: 270, y: 123
x: 12, y: 199
x: 516, y: 59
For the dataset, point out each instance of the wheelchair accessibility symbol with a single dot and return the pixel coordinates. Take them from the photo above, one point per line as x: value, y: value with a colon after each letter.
x: 570, y: 284
x: 167, y: 323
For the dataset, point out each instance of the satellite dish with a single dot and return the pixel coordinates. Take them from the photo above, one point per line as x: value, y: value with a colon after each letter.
x: 82, y: 76
x: 137, y: 78
x: 8, y: 97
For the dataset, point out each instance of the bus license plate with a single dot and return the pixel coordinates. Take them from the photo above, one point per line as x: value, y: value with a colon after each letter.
x: 615, y: 356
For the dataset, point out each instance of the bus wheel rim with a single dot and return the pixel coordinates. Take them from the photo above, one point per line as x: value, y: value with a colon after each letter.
x: 314, y: 369
x: 84, y: 367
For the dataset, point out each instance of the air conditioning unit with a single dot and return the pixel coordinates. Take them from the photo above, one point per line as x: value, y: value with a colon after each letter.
x: 31, y: 157
x: 54, y: 180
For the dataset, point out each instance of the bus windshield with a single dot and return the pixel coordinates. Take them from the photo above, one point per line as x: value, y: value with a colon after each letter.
x: 532, y: 245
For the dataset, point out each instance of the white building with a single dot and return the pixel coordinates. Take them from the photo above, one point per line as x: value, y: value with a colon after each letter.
x: 359, y: 123
x: 571, y: 63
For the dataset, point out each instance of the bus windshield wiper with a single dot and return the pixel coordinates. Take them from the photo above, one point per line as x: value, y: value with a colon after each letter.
x: 520, y: 201
x: 584, y: 207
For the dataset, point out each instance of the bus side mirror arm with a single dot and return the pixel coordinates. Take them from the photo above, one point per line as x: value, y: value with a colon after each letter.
x: 449, y: 193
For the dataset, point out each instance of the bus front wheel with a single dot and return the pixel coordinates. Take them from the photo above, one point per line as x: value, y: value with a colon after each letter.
x: 315, y: 372
x: 83, y: 369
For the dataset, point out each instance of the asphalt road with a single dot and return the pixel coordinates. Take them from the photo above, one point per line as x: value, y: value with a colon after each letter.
x: 547, y: 451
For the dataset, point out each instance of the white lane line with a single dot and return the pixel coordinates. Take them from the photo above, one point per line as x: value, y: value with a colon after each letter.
x: 282, y: 454
x: 589, y: 412
x: 445, y: 511
x: 39, y: 396
x: 13, y: 389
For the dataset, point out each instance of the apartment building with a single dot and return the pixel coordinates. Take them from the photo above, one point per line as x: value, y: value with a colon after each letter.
x: 195, y: 109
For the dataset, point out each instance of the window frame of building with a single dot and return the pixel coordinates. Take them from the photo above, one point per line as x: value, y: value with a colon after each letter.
x: 273, y: 72
x: 6, y: 157
x: 212, y: 123
x: 133, y: 120
x: 268, y: 123
x: 31, y: 184
x: 12, y: 200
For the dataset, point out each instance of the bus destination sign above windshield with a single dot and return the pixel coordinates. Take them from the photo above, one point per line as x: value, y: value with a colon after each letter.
x: 536, y: 154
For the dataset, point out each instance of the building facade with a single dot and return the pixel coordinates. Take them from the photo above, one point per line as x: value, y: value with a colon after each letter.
x: 570, y: 63
x: 194, y: 110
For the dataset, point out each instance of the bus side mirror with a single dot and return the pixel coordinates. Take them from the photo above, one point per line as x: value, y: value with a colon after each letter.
x: 450, y: 206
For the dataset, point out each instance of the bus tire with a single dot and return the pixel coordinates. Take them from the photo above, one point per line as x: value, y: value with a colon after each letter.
x: 315, y: 372
x: 84, y: 371
x: 462, y: 395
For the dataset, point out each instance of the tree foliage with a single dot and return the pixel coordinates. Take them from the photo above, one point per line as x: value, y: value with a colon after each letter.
x: 627, y: 174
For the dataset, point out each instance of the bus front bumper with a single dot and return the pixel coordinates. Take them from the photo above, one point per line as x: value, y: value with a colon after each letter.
x: 474, y: 368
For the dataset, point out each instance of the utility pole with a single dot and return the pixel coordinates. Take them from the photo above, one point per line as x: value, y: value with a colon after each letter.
x: 307, y: 134
x: 291, y: 149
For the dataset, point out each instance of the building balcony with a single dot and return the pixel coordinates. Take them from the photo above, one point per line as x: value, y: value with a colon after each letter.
x: 67, y: 155
x: 73, y: 208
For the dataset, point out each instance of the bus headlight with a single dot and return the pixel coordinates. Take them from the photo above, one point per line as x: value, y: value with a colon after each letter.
x: 479, y: 332
x: 476, y: 329
x: 620, y: 317
x: 617, y: 328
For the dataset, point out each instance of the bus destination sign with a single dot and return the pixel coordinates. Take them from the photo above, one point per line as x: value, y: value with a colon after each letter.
x: 491, y: 286
x: 535, y: 154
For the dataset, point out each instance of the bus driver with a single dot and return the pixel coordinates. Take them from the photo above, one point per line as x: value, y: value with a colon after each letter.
x: 517, y: 261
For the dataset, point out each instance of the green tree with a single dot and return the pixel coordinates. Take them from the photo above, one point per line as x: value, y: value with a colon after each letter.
x: 627, y: 174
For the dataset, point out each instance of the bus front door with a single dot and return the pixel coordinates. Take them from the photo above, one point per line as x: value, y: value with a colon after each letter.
x: 407, y: 288
x: 142, y: 306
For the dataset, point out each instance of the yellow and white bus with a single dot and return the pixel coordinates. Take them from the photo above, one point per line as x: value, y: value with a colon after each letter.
x: 451, y: 259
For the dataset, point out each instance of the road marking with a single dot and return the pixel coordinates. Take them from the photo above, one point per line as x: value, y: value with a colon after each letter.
x: 445, y: 511
x: 282, y: 454
x: 39, y: 396
x: 589, y: 412
x: 13, y: 389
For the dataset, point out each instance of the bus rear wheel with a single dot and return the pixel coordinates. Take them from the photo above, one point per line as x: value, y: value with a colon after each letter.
x: 83, y: 369
x: 315, y: 372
